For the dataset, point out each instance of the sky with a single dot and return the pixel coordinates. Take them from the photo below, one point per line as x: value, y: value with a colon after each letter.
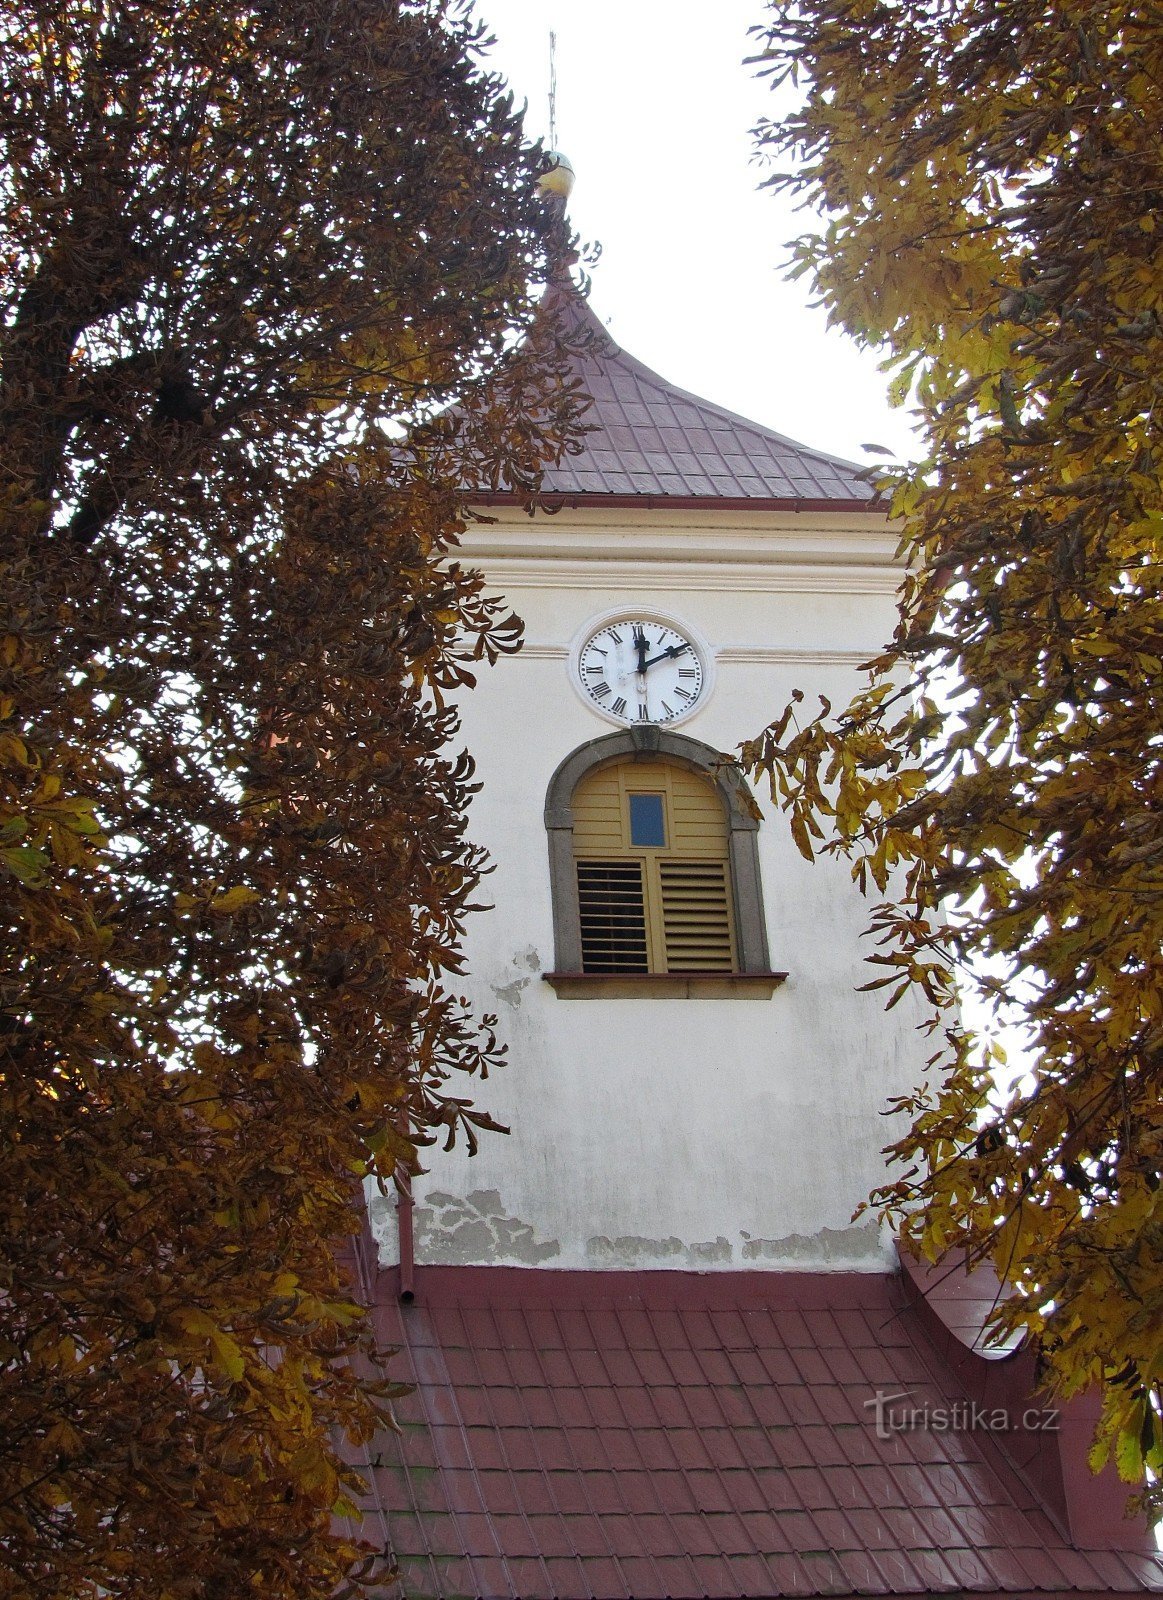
x: 654, y: 110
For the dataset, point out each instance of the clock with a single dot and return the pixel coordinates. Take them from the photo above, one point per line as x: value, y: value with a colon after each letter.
x: 639, y: 669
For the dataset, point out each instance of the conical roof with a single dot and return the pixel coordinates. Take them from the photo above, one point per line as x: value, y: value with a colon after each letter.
x: 650, y: 440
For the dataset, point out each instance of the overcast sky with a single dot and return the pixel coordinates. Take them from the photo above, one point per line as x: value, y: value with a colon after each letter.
x: 654, y: 109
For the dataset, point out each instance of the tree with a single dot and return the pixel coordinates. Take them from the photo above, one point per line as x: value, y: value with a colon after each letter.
x: 990, y: 178
x: 250, y: 254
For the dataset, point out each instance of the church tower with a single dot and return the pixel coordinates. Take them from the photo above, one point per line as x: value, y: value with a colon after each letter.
x: 693, y: 1081
x: 651, y: 1355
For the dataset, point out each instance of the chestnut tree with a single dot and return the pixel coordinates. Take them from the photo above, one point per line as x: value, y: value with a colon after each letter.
x: 251, y: 255
x: 989, y: 179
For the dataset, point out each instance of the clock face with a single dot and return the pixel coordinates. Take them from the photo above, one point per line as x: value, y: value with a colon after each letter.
x: 641, y: 671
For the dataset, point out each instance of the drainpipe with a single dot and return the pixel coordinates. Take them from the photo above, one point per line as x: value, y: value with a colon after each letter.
x: 404, y: 1208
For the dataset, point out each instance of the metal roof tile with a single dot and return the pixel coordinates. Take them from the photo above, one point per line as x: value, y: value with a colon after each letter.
x: 672, y: 1413
x: 569, y: 1492
x: 752, y: 1575
x: 604, y: 1577
x: 621, y: 1367
x: 640, y: 1576
x: 447, y: 1576
x: 787, y: 1574
x: 861, y: 1571
x: 567, y: 1578
x: 824, y: 1572
x: 639, y: 1493
x: 622, y: 1453
x: 766, y: 1528
x: 556, y: 1456
x: 675, y: 1491
x: 709, y: 1490
x: 551, y: 1536
x: 731, y: 1535
x: 587, y: 1446
x: 605, y: 1407
x: 691, y: 447
x: 724, y: 1449
x: 791, y: 1446
x: 906, y: 1572
x: 570, y: 1404
x: 703, y: 1407
x: 696, y: 1534
x: 993, y: 1569
x: 657, y: 1451
x: 534, y: 1491
x: 557, y: 1481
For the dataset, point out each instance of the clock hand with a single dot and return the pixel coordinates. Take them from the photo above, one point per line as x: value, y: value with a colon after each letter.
x: 675, y: 650
x: 641, y: 646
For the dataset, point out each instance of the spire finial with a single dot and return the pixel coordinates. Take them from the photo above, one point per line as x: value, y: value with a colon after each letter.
x: 552, y: 90
x: 558, y: 181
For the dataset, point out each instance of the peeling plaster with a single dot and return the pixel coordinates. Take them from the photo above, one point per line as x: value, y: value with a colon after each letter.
x: 629, y: 1250
x: 510, y: 993
x: 831, y: 1247
x: 450, y: 1231
x: 477, y: 1230
x: 838, y: 1249
x: 382, y: 1220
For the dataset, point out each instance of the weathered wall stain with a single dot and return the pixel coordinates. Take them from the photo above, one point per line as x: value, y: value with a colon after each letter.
x: 381, y: 1215
x: 836, y: 1247
x: 632, y: 1251
x: 509, y: 994
x: 451, y: 1231
x: 830, y: 1246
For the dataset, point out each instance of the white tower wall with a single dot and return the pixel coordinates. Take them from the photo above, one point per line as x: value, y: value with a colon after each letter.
x: 672, y: 1132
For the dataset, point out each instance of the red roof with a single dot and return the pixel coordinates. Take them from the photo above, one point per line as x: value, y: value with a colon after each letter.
x: 619, y: 1436
x: 652, y: 441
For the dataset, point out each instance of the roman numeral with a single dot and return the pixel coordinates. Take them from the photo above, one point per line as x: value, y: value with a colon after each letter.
x: 592, y: 670
x: 618, y: 706
x: 600, y: 688
x: 687, y: 672
x: 616, y: 636
x: 643, y: 714
x: 668, y: 709
x: 686, y: 694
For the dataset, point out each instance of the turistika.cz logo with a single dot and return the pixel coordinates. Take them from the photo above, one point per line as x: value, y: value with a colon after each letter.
x: 962, y: 1416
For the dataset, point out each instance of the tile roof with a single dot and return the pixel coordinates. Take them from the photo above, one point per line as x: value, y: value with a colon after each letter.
x: 651, y: 440
x: 618, y: 1436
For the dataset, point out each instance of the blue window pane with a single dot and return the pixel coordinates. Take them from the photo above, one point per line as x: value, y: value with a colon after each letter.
x: 646, y: 825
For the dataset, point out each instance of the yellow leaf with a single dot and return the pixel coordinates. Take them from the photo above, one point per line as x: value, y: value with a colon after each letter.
x: 229, y: 901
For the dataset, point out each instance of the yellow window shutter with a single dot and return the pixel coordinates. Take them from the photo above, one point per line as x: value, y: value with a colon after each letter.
x: 696, y: 916
x: 653, y: 908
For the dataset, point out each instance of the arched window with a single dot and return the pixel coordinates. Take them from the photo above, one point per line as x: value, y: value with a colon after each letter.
x: 650, y: 846
x: 655, y: 871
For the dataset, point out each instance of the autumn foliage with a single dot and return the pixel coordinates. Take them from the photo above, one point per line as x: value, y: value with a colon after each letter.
x: 249, y: 254
x: 990, y: 181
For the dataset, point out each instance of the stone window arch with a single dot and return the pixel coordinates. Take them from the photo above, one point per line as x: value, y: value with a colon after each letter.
x: 740, y: 958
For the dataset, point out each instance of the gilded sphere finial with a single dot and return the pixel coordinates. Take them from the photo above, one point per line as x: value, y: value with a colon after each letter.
x: 559, y: 179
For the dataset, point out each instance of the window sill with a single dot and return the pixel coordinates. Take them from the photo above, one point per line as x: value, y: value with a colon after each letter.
x: 664, y: 985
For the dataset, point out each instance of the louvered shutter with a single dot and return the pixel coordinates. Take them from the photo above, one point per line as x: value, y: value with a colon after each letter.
x: 613, y: 916
x: 696, y: 916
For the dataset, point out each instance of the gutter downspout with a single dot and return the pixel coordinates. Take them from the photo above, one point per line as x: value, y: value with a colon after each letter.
x: 404, y: 1208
